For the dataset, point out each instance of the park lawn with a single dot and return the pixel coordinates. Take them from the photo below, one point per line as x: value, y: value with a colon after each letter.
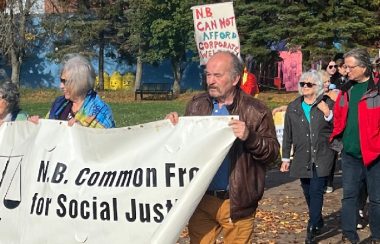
x: 127, y: 111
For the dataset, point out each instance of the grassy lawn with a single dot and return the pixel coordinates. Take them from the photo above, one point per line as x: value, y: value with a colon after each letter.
x: 129, y: 112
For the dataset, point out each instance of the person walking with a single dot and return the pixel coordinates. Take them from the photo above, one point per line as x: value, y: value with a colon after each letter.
x: 333, y: 94
x: 229, y: 205
x: 356, y: 124
x: 339, y: 78
x: 307, y: 127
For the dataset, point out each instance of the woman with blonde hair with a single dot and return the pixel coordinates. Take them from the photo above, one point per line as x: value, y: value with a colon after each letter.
x: 327, y: 88
x: 80, y: 103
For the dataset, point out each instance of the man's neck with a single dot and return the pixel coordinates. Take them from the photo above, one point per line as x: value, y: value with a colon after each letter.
x: 362, y: 79
x: 226, y: 100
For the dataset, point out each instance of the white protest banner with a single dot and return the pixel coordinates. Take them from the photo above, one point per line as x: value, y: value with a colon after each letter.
x: 62, y: 184
x: 215, y: 29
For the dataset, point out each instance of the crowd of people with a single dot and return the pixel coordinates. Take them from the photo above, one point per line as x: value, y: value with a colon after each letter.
x: 337, y: 115
x: 315, y: 136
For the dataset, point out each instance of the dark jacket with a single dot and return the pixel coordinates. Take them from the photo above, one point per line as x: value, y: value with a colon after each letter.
x: 338, y: 80
x: 248, y: 158
x: 310, y: 140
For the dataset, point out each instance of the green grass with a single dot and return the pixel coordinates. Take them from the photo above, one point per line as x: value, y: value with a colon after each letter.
x: 125, y: 114
x: 126, y: 110
x: 40, y: 109
x: 138, y: 113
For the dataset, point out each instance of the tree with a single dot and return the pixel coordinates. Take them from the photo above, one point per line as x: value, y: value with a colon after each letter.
x: 172, y: 36
x: 160, y: 30
x: 321, y: 28
x: 139, y: 14
x: 15, y: 29
x: 83, y: 26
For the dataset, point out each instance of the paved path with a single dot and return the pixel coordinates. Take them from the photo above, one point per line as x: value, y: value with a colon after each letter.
x: 282, y: 214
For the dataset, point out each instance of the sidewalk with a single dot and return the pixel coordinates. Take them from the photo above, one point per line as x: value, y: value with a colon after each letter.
x: 282, y: 213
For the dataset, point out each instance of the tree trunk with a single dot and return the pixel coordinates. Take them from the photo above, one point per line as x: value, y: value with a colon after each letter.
x: 101, y: 62
x: 16, y: 50
x: 177, y: 72
x: 16, y: 65
x: 138, y: 71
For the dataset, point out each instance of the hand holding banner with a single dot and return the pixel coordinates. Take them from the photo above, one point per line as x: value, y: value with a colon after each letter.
x: 86, y: 185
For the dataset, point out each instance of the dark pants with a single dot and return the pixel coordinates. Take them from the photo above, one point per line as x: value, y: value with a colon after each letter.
x: 353, y: 174
x: 330, y: 178
x: 313, y: 189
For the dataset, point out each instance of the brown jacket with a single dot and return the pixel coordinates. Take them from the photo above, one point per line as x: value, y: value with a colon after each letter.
x: 248, y: 158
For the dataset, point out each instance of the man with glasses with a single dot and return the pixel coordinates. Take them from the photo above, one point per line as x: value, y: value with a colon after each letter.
x: 356, y: 123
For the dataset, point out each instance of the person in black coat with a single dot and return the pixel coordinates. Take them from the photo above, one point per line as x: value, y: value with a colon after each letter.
x: 308, y: 125
x: 339, y: 78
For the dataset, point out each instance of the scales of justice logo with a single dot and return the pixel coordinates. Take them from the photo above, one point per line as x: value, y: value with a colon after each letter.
x: 11, y: 180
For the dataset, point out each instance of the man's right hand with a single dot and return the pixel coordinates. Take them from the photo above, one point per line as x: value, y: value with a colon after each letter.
x: 34, y: 119
x: 173, y: 117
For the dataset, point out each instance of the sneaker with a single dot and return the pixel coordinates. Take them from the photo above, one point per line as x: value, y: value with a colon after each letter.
x: 329, y: 189
x: 361, y: 213
x: 359, y: 226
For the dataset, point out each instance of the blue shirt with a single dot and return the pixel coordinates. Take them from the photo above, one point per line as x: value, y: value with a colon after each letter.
x: 221, y: 178
x: 306, y: 109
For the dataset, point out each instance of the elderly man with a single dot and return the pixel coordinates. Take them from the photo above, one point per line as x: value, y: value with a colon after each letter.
x: 229, y: 205
x: 356, y: 122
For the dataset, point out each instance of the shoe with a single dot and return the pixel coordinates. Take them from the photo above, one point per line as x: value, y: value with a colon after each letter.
x: 329, y: 189
x: 310, y: 235
x: 346, y: 240
x: 359, y: 226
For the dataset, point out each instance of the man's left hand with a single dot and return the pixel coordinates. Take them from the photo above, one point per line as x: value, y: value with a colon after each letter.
x: 324, y: 108
x: 239, y: 128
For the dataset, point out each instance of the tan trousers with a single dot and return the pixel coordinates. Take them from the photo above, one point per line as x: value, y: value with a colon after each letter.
x: 212, y: 216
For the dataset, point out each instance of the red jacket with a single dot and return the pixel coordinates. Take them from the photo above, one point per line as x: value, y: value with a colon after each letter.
x: 249, y: 83
x: 369, y: 120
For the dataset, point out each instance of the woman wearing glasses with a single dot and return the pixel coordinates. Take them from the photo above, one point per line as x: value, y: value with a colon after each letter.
x: 79, y: 104
x: 340, y: 77
x: 331, y: 67
x: 308, y: 125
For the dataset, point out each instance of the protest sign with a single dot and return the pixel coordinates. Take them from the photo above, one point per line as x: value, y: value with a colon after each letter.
x: 215, y: 29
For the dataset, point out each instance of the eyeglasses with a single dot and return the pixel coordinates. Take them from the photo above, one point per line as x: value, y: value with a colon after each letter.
x: 333, y: 66
x: 63, y: 81
x: 351, y: 67
x: 308, y: 84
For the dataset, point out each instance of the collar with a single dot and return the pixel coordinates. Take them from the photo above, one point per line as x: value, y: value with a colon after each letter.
x: 371, y: 85
x: 231, y: 106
